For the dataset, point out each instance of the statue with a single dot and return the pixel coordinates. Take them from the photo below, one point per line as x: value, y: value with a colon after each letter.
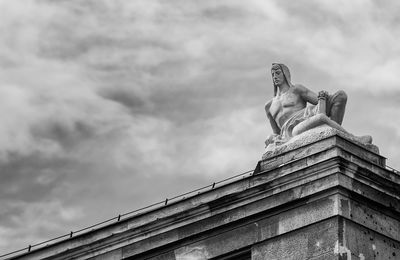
x: 290, y: 114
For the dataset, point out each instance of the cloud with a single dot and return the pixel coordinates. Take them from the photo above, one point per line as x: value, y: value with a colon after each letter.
x: 47, y: 217
x: 122, y: 103
x: 346, y: 41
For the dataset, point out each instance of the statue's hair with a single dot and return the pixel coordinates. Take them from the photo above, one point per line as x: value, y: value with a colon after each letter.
x: 286, y: 74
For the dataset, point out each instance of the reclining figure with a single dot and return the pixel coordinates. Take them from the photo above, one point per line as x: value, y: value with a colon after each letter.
x: 289, y: 114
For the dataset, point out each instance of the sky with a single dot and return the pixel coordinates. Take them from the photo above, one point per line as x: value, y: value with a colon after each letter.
x: 110, y: 105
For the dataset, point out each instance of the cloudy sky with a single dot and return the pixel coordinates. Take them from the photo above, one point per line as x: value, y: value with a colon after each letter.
x: 109, y: 105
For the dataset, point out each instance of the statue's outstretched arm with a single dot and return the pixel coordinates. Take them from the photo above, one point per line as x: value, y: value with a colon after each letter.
x: 274, y: 125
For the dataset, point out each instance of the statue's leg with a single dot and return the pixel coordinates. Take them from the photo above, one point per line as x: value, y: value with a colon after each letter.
x: 336, y: 106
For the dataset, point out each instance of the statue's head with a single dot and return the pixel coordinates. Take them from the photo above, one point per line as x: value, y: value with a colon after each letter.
x: 280, y: 75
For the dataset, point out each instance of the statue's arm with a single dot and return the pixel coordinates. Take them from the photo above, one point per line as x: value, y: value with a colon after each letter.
x: 307, y: 95
x: 274, y: 125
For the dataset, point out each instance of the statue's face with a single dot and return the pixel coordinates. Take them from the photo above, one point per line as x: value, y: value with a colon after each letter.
x: 277, y: 76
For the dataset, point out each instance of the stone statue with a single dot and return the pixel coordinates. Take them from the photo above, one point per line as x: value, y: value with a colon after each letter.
x: 290, y: 114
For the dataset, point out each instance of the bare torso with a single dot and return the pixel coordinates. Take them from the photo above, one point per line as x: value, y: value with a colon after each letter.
x: 285, y: 105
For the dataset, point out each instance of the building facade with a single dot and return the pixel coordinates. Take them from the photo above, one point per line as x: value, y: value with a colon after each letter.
x: 325, y: 198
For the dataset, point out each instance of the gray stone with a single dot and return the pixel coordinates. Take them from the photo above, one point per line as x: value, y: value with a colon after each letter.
x: 312, y: 136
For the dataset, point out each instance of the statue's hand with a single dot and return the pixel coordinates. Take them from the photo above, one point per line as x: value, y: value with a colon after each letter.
x: 323, y: 94
x: 271, y: 139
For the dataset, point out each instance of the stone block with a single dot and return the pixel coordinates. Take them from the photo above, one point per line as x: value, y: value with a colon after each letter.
x: 312, y: 242
x: 365, y: 243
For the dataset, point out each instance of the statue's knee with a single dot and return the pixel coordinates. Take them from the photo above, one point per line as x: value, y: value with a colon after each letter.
x: 340, y: 96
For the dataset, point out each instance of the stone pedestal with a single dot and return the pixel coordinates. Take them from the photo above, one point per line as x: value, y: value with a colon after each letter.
x: 323, y: 197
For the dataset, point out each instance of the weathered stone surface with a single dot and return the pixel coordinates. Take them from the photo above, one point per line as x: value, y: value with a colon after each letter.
x: 363, y: 243
x: 335, y: 238
x: 313, y: 136
x: 313, y: 242
x: 370, y: 216
x: 252, y: 231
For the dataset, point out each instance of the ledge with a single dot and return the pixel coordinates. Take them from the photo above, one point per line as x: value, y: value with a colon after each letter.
x: 313, y: 136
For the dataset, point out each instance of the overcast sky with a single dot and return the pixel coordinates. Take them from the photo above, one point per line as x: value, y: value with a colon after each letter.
x: 107, y: 106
